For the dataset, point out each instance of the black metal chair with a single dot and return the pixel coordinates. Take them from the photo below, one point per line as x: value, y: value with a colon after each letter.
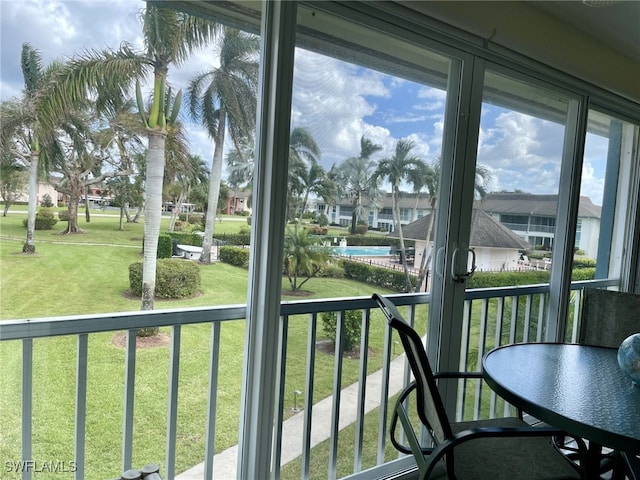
x: 607, y: 318
x: 495, y: 449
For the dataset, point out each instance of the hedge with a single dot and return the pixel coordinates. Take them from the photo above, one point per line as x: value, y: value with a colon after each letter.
x: 174, y: 278
x: 165, y: 246
x: 185, y: 238
x: 383, y: 277
x: 530, y: 277
x: 235, y: 238
x: 236, y: 256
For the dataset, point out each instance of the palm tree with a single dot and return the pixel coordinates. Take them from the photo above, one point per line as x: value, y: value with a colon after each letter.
x: 397, y: 169
x: 170, y: 37
x: 21, y: 129
x: 429, y: 180
x: 303, y: 256
x: 355, y: 179
x: 184, y: 180
x: 224, y: 98
x: 305, y: 173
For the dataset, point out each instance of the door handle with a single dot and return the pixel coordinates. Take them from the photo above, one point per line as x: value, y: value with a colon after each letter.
x: 462, y: 277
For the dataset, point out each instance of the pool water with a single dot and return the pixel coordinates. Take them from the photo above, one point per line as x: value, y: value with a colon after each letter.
x: 363, y: 251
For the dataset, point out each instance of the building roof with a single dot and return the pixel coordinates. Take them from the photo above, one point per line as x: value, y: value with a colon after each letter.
x: 511, y: 203
x: 406, y: 201
x: 485, y: 232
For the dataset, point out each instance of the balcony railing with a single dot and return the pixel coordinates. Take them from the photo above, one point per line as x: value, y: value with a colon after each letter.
x: 492, y: 317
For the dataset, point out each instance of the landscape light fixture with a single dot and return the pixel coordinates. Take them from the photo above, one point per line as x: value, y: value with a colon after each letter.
x: 295, y: 400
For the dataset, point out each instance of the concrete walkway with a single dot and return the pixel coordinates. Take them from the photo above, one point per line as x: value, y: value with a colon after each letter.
x: 225, y: 463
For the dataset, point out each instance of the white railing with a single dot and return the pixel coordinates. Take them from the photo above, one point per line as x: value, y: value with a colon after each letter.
x: 492, y: 317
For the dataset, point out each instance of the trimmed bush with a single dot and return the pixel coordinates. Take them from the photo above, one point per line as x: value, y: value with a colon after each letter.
x: 352, y: 327
x: 235, y: 238
x: 174, y: 278
x: 63, y: 215
x: 186, y: 238
x: 236, y: 256
x: 383, y: 277
x: 45, y: 220
x: 165, y: 246
x: 530, y: 277
x: 332, y: 271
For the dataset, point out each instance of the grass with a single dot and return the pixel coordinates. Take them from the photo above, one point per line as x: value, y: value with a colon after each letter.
x: 87, y: 273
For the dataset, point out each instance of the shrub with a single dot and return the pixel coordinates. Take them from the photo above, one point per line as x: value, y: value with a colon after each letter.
x: 332, y: 271
x: 45, y: 220
x: 193, y: 218
x: 352, y: 326
x: 63, y: 215
x: 323, y: 221
x: 530, y: 277
x: 361, y: 229
x: 46, y: 201
x: 235, y: 238
x: 317, y: 230
x: 583, y: 262
x: 165, y: 246
x: 174, y: 278
x: 236, y: 256
x: 383, y: 277
x: 186, y: 238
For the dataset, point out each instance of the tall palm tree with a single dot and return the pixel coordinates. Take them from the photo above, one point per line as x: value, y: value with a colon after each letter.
x: 305, y: 173
x: 429, y: 180
x: 397, y: 169
x: 224, y: 98
x: 355, y: 179
x: 21, y: 130
x: 170, y: 37
x: 184, y: 180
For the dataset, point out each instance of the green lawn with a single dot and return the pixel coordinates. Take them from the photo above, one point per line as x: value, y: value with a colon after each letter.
x: 87, y: 273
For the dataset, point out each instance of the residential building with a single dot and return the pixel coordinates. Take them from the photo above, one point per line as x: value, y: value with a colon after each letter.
x: 237, y: 202
x: 533, y: 218
x: 378, y: 214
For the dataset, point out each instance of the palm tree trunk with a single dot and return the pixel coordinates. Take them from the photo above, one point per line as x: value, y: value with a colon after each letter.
x: 424, y: 263
x: 396, y: 214
x: 152, y: 215
x: 214, y: 190
x: 29, y: 246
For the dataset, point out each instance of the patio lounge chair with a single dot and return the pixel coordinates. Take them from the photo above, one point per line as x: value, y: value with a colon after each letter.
x: 495, y: 449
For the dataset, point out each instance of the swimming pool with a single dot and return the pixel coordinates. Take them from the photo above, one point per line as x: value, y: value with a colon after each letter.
x: 363, y: 251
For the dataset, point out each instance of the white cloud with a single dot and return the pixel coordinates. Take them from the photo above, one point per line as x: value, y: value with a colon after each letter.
x: 337, y: 101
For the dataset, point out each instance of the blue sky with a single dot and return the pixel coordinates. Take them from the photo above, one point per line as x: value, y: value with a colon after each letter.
x: 338, y: 102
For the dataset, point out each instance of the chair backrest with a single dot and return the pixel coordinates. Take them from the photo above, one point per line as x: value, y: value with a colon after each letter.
x: 608, y: 317
x: 429, y: 403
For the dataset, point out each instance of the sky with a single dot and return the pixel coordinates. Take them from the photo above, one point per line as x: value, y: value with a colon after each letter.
x: 337, y: 101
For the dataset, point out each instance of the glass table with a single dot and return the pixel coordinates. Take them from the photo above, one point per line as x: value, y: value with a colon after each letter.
x: 577, y: 388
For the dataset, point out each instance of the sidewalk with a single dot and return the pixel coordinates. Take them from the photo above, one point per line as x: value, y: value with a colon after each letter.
x: 224, y: 463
